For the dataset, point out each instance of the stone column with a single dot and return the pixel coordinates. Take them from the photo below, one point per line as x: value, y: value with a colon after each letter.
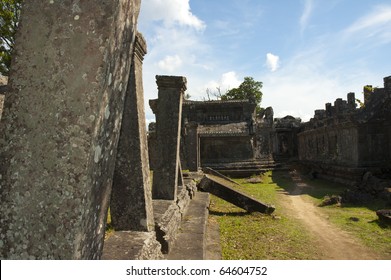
x: 168, y: 131
x: 62, y: 118
x: 387, y: 84
x: 368, y: 91
x: 338, y: 104
x: 192, y: 146
x: 329, y: 111
x: 131, y: 198
x: 351, y: 101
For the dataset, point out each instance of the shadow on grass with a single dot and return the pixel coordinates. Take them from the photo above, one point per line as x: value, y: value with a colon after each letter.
x: 319, y: 188
x: 373, y: 204
x: 381, y: 224
x: 284, y: 181
x: 231, y: 214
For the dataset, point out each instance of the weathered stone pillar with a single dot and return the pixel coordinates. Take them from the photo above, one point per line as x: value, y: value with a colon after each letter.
x: 61, y: 126
x: 387, y: 84
x: 329, y: 110
x: 168, y: 131
x: 368, y: 91
x: 338, y: 104
x: 351, y: 101
x: 131, y: 198
x: 192, y: 145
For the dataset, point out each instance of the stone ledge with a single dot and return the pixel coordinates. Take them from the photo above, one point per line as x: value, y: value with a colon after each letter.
x: 190, y: 243
x: 132, y: 245
x: 168, y: 215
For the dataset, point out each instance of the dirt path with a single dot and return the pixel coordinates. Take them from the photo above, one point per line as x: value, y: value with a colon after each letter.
x: 334, y: 243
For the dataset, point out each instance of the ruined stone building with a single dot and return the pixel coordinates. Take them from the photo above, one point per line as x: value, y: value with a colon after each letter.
x: 284, y: 138
x: 73, y: 140
x: 344, y: 141
x: 225, y: 135
x: 341, y: 141
x: 217, y: 133
x: 231, y: 136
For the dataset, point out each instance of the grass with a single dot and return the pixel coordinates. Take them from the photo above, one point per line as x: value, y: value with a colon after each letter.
x: 257, y: 236
x: 109, y: 227
x: 359, y: 220
x: 280, y: 236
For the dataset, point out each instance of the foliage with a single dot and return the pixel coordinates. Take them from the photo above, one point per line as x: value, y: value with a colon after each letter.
x: 9, y: 19
x: 360, y: 103
x: 248, y: 89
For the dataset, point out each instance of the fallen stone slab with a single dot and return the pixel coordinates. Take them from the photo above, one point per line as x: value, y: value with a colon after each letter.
x: 384, y: 215
x: 225, y: 189
x: 208, y: 170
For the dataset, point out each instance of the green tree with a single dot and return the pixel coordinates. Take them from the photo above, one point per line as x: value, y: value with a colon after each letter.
x: 248, y: 89
x: 9, y: 19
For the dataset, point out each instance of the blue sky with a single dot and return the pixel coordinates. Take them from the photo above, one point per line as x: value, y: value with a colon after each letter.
x: 306, y: 52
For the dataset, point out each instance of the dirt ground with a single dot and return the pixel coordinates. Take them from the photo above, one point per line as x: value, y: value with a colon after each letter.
x: 335, y: 243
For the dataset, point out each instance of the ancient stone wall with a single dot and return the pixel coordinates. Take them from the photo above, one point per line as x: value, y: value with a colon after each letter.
x: 336, y: 144
x: 345, y: 136
x: 61, y: 125
x: 224, y: 133
x: 284, y: 137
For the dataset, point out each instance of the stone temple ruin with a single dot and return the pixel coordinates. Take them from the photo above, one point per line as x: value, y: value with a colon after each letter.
x: 73, y: 142
x: 343, y: 141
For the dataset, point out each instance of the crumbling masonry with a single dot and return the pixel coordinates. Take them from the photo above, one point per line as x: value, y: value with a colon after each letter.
x: 344, y: 142
x: 73, y: 139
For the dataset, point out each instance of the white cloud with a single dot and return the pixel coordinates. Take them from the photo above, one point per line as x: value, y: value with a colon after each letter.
x: 175, y: 45
x: 230, y: 80
x: 305, y: 16
x: 272, y: 61
x: 226, y: 82
x: 170, y: 63
x: 305, y: 84
x: 377, y: 23
x: 171, y: 12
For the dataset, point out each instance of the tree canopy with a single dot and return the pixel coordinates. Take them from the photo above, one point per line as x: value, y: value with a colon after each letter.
x: 9, y: 19
x: 248, y: 89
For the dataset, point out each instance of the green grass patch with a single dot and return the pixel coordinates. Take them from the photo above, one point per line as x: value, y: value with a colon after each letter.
x: 281, y: 236
x: 360, y: 220
x: 258, y: 236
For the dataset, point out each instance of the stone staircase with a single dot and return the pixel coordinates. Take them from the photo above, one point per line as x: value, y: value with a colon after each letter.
x: 241, y: 169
